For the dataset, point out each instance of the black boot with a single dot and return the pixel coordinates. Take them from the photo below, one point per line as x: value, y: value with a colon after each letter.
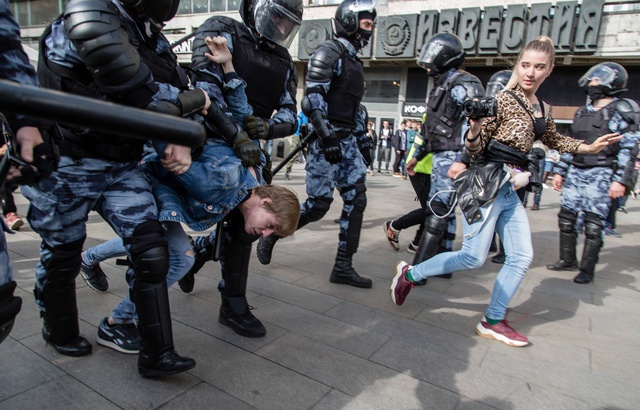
x: 9, y: 307
x: 563, y: 265
x: 593, y: 242
x: 236, y: 313
x: 60, y: 326
x: 168, y: 363
x: 568, y: 236
x: 500, y: 256
x: 157, y: 356
x: 583, y: 277
x: 265, y: 248
x: 77, y: 346
x: 344, y: 273
x: 494, y: 244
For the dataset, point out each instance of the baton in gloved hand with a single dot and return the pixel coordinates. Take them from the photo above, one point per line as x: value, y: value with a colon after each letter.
x: 114, y: 118
x: 295, y: 151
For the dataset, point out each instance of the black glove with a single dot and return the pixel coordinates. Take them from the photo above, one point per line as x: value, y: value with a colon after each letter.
x: 332, y: 150
x: 256, y: 127
x: 247, y: 150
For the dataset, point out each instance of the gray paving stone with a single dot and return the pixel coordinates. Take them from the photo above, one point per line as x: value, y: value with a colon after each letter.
x: 332, y: 346
x: 376, y: 386
x: 64, y: 392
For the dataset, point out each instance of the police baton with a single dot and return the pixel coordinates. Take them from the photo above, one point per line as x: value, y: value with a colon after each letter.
x: 97, y: 114
x: 295, y: 151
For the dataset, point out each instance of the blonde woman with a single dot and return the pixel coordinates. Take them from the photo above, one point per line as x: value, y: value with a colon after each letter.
x: 499, y: 145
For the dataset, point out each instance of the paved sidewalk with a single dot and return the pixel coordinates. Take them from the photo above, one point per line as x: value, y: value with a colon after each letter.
x: 336, y: 347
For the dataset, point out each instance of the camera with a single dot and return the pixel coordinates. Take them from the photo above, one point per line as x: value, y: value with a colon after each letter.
x: 480, y: 108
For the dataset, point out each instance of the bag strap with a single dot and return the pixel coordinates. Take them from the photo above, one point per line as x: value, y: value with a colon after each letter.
x: 521, y: 104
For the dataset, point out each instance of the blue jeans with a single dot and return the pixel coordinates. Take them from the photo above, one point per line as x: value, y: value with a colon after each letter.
x: 110, y: 249
x: 507, y: 216
x: 179, y: 264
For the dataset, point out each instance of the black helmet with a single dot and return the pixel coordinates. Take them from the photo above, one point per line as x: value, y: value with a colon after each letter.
x: 612, y: 76
x: 346, y: 22
x: 442, y: 52
x: 275, y: 20
x: 157, y: 11
x: 497, y: 83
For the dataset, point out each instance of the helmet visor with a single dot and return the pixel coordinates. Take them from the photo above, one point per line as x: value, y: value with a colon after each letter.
x: 429, y: 53
x: 493, y: 88
x: 364, y: 5
x: 275, y: 22
x: 600, y: 75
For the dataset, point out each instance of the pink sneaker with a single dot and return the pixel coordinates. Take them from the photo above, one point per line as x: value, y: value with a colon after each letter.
x: 501, y: 332
x: 14, y: 221
x: 400, y: 286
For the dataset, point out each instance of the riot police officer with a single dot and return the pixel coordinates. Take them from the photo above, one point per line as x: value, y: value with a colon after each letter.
x: 14, y: 65
x: 109, y: 50
x: 444, y: 128
x: 592, y: 180
x: 259, y: 53
x: 334, y: 88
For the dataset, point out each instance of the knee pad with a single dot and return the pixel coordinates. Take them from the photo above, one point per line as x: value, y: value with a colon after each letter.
x: 360, y: 200
x: 149, y: 252
x: 64, y: 264
x: 592, y: 226
x: 436, y: 226
x: 567, y: 220
x: 319, y: 209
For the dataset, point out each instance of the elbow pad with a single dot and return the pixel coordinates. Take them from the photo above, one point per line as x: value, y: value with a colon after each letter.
x: 222, y: 123
x: 191, y: 101
x: 95, y: 29
x: 281, y: 130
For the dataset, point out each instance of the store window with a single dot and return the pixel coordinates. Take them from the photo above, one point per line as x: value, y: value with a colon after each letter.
x: 417, y: 84
x: 36, y: 12
x: 383, y: 85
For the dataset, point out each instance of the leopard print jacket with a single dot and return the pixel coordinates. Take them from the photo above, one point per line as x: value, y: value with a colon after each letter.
x: 513, y: 126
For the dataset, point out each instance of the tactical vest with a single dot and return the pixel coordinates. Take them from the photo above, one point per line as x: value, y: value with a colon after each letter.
x: 589, y: 126
x: 346, y: 91
x: 83, y: 142
x: 263, y: 66
x: 443, y: 124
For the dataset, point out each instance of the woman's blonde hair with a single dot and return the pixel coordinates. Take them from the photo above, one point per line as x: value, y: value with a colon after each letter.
x: 284, y: 205
x: 542, y: 44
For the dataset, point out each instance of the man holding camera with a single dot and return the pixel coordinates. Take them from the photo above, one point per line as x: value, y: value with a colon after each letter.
x: 443, y: 130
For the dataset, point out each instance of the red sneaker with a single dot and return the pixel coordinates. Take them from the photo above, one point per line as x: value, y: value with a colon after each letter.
x: 400, y: 286
x: 501, y: 332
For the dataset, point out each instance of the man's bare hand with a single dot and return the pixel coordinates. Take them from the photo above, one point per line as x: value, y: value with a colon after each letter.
x: 28, y: 138
x: 409, y: 167
x: 556, y: 182
x: 617, y: 190
x: 455, y: 169
x: 177, y: 159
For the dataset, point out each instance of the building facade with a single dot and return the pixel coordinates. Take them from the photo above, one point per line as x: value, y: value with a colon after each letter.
x: 585, y: 32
